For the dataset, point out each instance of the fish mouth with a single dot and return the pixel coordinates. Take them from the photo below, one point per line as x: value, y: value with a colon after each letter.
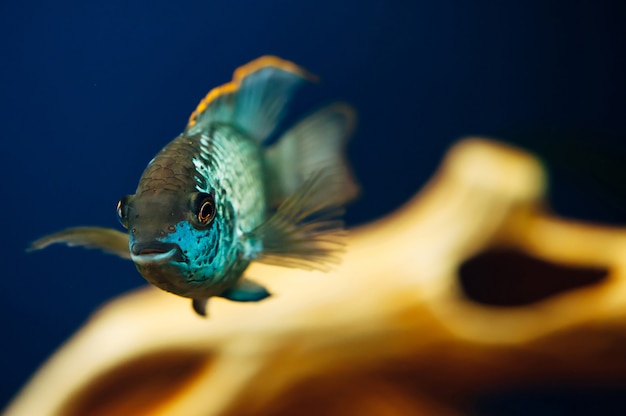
x: 156, y: 252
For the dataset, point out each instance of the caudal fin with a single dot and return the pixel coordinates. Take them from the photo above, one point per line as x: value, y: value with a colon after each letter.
x: 254, y: 100
x: 314, y: 146
x: 309, y: 182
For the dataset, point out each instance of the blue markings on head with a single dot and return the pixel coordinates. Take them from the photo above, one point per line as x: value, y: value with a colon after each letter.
x: 205, y: 256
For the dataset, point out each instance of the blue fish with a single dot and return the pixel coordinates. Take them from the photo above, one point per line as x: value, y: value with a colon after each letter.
x: 217, y: 198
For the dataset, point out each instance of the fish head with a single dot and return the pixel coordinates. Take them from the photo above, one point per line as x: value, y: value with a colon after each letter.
x: 176, y: 239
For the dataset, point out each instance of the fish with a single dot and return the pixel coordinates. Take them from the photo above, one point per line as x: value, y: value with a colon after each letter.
x: 223, y: 194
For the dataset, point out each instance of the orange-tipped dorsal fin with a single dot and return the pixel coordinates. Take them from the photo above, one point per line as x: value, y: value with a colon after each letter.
x: 254, y: 100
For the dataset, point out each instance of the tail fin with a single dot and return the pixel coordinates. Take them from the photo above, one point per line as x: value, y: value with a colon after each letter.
x: 314, y: 146
x: 254, y: 100
x: 308, y: 182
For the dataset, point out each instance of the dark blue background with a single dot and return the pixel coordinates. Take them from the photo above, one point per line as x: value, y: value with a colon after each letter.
x: 90, y: 91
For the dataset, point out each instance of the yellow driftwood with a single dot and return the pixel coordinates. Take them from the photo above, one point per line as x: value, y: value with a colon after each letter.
x: 389, y: 332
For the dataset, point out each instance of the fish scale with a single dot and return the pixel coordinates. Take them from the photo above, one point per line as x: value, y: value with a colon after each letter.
x: 230, y: 164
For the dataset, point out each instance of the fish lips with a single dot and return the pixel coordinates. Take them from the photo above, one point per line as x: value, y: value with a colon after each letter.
x: 155, y: 253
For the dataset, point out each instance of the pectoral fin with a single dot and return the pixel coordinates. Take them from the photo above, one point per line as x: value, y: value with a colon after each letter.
x: 106, y: 239
x: 246, y: 291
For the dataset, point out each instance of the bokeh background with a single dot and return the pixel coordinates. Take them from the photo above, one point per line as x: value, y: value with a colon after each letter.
x: 92, y: 90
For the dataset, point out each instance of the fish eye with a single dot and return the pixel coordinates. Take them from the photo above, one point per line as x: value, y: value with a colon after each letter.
x: 205, y: 211
x: 121, y: 210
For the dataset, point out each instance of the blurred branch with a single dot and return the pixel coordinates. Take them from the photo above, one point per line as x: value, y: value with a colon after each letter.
x: 391, y: 331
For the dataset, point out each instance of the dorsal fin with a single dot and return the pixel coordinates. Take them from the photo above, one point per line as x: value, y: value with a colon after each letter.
x: 254, y: 100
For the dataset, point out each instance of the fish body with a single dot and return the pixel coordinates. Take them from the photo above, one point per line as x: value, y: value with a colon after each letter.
x: 220, y: 162
x: 216, y: 198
